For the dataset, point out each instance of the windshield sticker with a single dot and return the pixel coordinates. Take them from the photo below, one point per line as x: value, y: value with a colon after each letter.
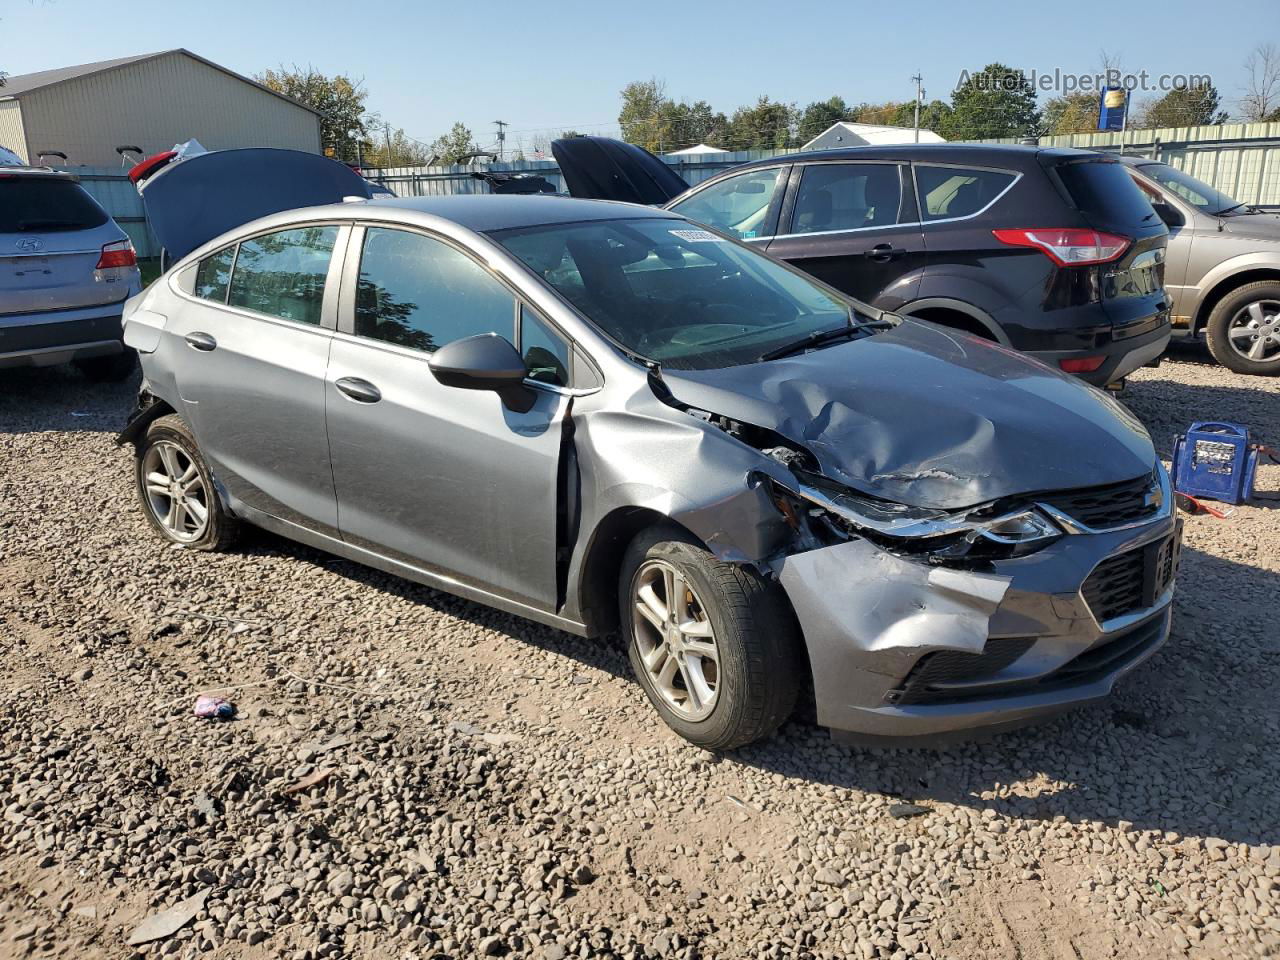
x: 697, y: 236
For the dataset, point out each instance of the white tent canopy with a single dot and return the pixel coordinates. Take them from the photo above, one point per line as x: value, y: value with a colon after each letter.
x: 694, y: 151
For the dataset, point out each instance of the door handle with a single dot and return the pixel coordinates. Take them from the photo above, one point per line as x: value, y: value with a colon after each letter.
x: 884, y: 252
x: 198, y: 340
x: 361, y: 391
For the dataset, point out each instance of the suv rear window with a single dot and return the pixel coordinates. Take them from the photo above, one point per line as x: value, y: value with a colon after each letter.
x: 46, y: 205
x: 1104, y: 189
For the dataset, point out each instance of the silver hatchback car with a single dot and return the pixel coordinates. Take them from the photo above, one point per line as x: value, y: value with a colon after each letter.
x: 604, y: 417
x: 66, y: 269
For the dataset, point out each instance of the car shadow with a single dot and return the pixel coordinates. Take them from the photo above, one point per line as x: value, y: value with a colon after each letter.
x: 41, y: 399
x: 1185, y: 743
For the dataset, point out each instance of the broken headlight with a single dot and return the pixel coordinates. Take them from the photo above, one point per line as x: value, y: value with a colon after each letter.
x: 982, y: 532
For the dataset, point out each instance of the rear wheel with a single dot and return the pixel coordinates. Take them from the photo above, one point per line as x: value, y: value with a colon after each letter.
x: 1243, y: 331
x: 176, y: 489
x: 711, y: 643
x: 111, y: 369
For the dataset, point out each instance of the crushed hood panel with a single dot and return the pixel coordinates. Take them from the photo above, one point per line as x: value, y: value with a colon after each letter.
x: 931, y: 418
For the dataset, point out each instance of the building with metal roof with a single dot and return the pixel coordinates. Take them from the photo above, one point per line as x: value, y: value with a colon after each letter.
x: 151, y: 101
x: 844, y: 134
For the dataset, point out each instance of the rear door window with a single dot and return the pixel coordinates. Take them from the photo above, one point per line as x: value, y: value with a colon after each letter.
x: 847, y: 196
x: 1105, y: 193
x: 419, y: 292
x: 737, y: 205
x: 213, y: 275
x: 947, y: 193
x: 36, y: 204
x: 282, y: 274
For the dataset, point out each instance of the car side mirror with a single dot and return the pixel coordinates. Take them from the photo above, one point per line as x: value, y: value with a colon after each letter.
x: 1168, y: 213
x: 484, y: 362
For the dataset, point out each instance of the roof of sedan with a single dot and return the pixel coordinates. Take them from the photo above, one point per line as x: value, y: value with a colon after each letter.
x: 484, y: 212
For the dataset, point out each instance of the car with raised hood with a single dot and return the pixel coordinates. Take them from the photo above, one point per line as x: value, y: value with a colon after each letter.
x: 66, y: 269
x: 1223, y: 267
x: 604, y: 417
x: 1049, y: 251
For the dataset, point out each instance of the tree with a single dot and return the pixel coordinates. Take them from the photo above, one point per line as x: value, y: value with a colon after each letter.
x: 934, y: 115
x: 398, y: 150
x: 883, y: 114
x: 1262, y: 90
x: 451, y: 147
x: 818, y: 117
x: 570, y: 134
x: 340, y: 101
x: 643, y: 117
x: 693, y: 123
x: 997, y: 101
x: 1186, y: 106
x: 764, y: 126
x: 1071, y: 113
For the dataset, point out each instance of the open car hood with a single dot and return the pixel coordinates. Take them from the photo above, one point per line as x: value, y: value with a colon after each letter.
x: 193, y: 200
x: 931, y: 418
x: 600, y: 168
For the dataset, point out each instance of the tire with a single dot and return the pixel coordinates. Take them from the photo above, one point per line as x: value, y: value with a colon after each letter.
x: 754, y: 678
x: 111, y: 369
x: 168, y: 448
x: 1256, y: 304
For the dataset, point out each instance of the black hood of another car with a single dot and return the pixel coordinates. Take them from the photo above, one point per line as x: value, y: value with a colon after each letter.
x: 600, y: 168
x: 930, y: 417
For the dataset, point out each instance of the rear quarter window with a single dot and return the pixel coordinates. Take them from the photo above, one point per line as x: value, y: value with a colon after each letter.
x: 46, y: 205
x: 1103, y: 188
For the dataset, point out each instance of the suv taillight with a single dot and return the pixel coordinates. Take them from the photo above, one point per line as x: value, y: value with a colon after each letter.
x: 1068, y: 246
x: 117, y: 254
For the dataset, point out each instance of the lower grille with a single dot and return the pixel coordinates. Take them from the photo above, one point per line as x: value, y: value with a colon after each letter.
x: 1131, y: 581
x: 937, y: 675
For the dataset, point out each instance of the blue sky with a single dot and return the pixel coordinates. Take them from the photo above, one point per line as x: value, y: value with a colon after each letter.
x: 551, y: 65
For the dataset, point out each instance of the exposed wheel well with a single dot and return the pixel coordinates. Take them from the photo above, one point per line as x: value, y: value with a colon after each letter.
x: 598, y: 584
x: 1225, y: 286
x: 137, y: 425
x: 953, y: 319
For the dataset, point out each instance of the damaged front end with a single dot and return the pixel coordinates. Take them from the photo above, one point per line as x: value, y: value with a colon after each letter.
x: 924, y: 622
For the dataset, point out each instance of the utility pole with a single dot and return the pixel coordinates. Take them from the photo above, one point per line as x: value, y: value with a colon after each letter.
x: 502, y: 137
x: 387, y: 129
x: 919, y: 96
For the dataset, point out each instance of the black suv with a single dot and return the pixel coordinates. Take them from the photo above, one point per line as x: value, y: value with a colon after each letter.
x: 1053, y: 252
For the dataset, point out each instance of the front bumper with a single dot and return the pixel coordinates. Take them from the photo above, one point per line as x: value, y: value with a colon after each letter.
x: 46, y: 339
x: 1009, y: 647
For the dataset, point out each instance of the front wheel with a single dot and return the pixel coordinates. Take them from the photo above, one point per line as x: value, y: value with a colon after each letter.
x: 1243, y: 331
x: 176, y: 489
x: 712, y: 644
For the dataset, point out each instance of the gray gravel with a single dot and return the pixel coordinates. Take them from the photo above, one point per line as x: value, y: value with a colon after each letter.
x: 411, y: 775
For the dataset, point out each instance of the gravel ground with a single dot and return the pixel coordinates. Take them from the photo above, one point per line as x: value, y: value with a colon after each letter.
x: 411, y: 775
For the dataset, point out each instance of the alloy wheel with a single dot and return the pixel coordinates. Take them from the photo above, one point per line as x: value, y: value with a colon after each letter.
x: 1254, y: 332
x: 675, y: 639
x: 176, y: 492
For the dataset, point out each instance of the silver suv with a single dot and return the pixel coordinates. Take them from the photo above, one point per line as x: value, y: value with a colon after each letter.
x: 1222, y: 269
x: 66, y: 269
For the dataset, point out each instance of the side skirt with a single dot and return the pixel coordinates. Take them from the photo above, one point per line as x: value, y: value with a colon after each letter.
x: 425, y: 577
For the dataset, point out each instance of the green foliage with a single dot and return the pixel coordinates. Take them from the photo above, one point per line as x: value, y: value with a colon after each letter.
x: 643, y: 117
x: 764, y: 126
x: 454, y: 145
x: 340, y: 101
x: 1185, y: 107
x: 1071, y: 113
x: 881, y: 114
x: 819, y: 116
x: 401, y: 150
x: 934, y: 115
x: 997, y: 101
x: 694, y: 123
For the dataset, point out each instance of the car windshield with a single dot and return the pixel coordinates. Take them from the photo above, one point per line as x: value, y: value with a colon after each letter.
x: 1200, y: 195
x: 675, y: 293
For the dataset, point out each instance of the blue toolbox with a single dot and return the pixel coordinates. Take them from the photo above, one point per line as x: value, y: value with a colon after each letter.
x: 1215, y: 460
